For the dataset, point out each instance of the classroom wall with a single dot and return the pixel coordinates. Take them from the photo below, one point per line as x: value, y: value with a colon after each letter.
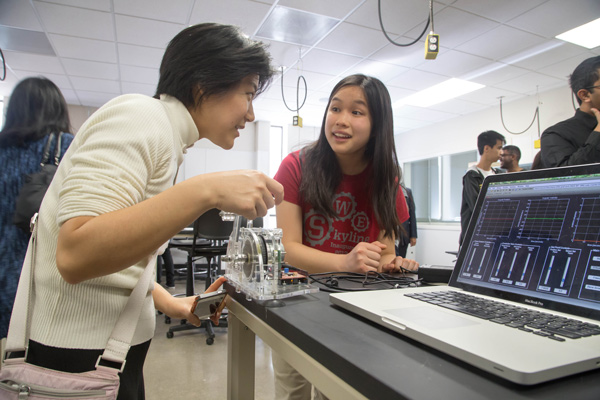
x: 459, y: 135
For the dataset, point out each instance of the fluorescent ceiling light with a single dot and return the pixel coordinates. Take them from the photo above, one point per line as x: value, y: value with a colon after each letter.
x: 585, y: 35
x: 439, y: 93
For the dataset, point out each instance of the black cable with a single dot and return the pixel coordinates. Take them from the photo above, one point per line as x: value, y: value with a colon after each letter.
x: 297, y: 92
x: 334, y: 281
x: 3, y: 66
x: 535, y: 115
x: 429, y: 19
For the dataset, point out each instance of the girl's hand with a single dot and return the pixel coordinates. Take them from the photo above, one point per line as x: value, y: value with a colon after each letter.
x: 181, y: 307
x: 399, y: 264
x: 364, y: 257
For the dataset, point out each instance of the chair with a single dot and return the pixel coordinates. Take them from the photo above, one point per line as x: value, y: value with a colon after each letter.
x: 209, y: 235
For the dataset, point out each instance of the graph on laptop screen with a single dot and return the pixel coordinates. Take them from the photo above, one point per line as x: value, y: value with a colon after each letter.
x: 538, y: 238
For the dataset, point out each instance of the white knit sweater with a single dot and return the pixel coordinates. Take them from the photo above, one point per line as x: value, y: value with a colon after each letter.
x: 126, y: 152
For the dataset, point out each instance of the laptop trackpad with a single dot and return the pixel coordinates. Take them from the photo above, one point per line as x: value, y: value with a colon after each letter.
x: 430, y: 317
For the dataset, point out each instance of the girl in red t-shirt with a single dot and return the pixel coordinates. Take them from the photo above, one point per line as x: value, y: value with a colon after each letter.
x: 342, y: 205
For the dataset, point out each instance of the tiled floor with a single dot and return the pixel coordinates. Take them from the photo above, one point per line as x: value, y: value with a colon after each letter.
x: 186, y: 368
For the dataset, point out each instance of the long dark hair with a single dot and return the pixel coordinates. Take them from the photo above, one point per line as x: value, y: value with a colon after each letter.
x: 36, y: 108
x: 321, y: 165
x: 214, y: 58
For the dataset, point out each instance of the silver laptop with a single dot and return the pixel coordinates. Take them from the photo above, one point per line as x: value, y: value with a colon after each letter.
x: 523, y: 301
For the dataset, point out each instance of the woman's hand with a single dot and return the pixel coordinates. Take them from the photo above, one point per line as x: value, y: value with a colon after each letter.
x: 399, y: 264
x: 364, y: 257
x: 249, y: 193
x: 181, y: 307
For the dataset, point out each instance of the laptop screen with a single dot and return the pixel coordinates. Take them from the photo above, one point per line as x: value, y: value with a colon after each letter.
x: 535, y: 238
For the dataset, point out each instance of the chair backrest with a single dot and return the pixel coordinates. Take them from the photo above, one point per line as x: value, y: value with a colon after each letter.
x: 210, y: 226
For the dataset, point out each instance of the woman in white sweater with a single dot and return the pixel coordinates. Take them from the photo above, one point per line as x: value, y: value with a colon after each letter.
x: 112, y: 203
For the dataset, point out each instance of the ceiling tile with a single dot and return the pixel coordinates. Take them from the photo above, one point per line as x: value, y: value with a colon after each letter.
x: 548, y: 19
x: 84, y: 49
x: 96, y: 85
x: 500, y: 11
x: 500, y: 42
x: 336, y: 63
x: 417, y: 80
x: 246, y: 14
x: 139, y: 55
x: 100, y: 5
x: 494, y: 73
x: 91, y: 69
x: 398, y: 16
x: 145, y: 32
x: 454, y: 63
x: 530, y: 82
x: 139, y: 74
x: 74, y: 21
x: 382, y: 71
x: 331, y: 8
x: 410, y: 57
x: 18, y: 14
x: 366, y: 41
x: 557, y: 51
x: 563, y: 69
x: 177, y: 11
x: 489, y: 96
x: 456, y: 27
x: 33, y: 62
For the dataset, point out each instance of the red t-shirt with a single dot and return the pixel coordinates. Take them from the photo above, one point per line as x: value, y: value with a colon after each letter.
x: 356, y: 220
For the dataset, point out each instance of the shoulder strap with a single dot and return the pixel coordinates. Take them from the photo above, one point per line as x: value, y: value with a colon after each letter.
x: 46, y: 151
x: 48, y: 145
x: 122, y: 334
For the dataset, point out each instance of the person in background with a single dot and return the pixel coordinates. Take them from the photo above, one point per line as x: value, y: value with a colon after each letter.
x: 113, y: 201
x: 509, y: 158
x: 35, y: 110
x: 577, y: 140
x: 408, y: 233
x: 347, y: 214
x: 489, y: 145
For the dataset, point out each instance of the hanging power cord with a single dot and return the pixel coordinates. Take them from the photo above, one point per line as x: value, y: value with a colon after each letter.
x: 298, y: 105
x: 536, y: 115
x: 353, y: 281
x: 429, y: 19
x: 3, y: 66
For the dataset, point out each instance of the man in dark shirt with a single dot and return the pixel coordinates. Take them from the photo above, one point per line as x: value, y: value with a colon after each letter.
x: 489, y: 145
x: 577, y: 140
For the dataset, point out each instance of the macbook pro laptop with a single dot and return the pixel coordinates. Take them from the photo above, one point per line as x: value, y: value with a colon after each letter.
x: 523, y: 301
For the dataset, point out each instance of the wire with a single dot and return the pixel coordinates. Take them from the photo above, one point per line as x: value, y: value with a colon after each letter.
x: 429, y: 19
x: 3, y: 66
x: 353, y: 281
x: 535, y: 116
x: 297, y: 93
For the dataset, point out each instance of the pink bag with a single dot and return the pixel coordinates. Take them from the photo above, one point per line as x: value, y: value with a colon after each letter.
x: 43, y: 383
x: 21, y: 380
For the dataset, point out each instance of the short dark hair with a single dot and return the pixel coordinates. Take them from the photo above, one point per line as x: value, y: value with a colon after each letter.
x: 325, y: 174
x: 514, y: 150
x: 488, y: 138
x: 584, y: 75
x: 213, y: 58
x: 36, y: 108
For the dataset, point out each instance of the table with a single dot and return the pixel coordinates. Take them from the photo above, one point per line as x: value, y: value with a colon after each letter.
x: 347, y: 357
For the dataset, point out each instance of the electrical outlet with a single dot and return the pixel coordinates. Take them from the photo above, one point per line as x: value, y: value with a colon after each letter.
x: 432, y: 46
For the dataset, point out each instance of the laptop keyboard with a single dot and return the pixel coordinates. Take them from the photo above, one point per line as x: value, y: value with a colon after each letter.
x: 524, y: 319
